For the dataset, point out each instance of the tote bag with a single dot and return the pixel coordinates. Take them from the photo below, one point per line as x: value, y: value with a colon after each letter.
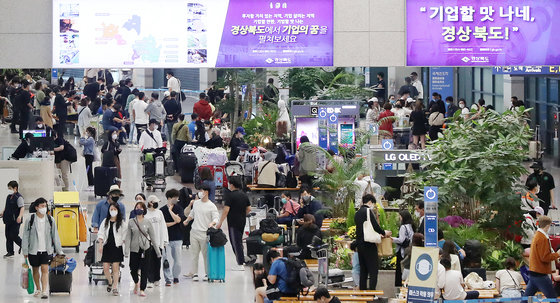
x: 370, y: 235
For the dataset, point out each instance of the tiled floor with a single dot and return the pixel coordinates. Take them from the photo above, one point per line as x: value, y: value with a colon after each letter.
x: 238, y: 286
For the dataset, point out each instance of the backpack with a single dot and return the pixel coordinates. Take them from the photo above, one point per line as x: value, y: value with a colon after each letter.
x: 291, y: 181
x: 70, y: 153
x: 32, y: 220
x: 269, y: 226
x: 217, y: 237
x: 298, y: 275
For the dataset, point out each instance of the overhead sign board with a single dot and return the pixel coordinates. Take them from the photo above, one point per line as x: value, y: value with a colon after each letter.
x: 188, y: 33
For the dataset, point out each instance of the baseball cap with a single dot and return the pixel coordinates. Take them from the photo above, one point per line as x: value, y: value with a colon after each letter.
x: 539, y: 210
x: 374, y: 99
x: 241, y: 130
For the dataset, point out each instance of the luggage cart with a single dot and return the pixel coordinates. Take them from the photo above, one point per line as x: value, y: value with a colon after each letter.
x: 96, y: 274
x: 321, y: 253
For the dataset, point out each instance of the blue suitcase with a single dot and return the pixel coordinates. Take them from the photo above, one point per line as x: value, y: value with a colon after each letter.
x: 216, y: 264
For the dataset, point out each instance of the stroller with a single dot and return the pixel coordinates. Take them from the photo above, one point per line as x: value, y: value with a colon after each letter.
x: 153, y: 162
x: 234, y: 168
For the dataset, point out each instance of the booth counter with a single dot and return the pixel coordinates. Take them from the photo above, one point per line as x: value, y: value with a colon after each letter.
x: 36, y: 177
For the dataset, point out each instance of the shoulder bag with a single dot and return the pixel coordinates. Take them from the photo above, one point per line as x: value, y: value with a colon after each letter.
x: 436, y: 119
x: 153, y: 247
x: 370, y: 235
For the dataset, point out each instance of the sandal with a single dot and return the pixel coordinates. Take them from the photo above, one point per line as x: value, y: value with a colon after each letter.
x: 115, y: 292
x: 109, y: 287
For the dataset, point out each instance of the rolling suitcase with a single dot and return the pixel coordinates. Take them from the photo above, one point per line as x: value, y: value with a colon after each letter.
x: 103, y: 178
x: 60, y: 281
x: 67, y: 223
x: 216, y: 264
x: 187, y: 166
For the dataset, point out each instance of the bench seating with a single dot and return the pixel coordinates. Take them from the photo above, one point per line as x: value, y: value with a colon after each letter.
x: 342, y: 298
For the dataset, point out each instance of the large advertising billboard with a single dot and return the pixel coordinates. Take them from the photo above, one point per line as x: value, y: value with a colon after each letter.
x: 482, y: 33
x: 192, y: 33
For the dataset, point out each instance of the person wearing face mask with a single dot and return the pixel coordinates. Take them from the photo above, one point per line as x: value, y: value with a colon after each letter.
x: 88, y: 142
x: 451, y: 108
x: 40, y: 125
x: 140, y: 197
x: 111, y: 235
x: 40, y: 241
x: 546, y: 185
x: 151, y: 138
x: 289, y: 211
x: 174, y: 215
x: 309, y: 205
x: 140, y: 237
x: 464, y: 108
x: 102, y: 208
x: 12, y: 215
x: 110, y: 151
x: 204, y: 215
x: 236, y: 208
x: 155, y: 216
x: 530, y: 200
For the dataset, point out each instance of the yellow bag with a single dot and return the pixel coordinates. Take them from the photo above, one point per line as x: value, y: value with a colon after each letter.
x: 385, y: 248
x: 266, y: 237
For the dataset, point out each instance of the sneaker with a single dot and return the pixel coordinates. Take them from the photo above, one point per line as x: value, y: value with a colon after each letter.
x: 90, y: 188
x: 189, y: 275
x: 176, y: 281
x: 44, y: 295
x: 195, y: 278
x: 156, y: 284
x: 37, y: 293
x: 8, y: 255
x: 115, y: 292
x: 168, y: 283
x: 205, y: 278
x: 150, y: 285
x: 238, y: 268
x: 142, y: 293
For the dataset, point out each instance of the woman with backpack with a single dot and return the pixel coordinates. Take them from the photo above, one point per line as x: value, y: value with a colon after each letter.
x: 140, y: 247
x: 406, y: 231
x: 40, y: 241
x: 88, y: 142
x: 112, y: 232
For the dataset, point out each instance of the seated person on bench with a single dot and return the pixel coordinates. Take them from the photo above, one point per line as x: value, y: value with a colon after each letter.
x: 289, y: 210
x: 305, y: 235
x: 310, y: 206
x: 322, y: 296
x: 267, y: 171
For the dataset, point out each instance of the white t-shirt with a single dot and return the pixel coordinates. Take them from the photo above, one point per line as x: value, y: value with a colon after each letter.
x: 509, y: 279
x: 173, y: 84
x: 147, y: 142
x: 465, y: 111
x: 160, y: 227
x: 440, y: 279
x: 203, y: 214
x: 41, y: 245
x: 140, y: 111
x: 454, y: 286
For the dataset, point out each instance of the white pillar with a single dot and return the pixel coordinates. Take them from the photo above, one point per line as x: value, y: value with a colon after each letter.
x: 513, y: 86
x: 207, y: 76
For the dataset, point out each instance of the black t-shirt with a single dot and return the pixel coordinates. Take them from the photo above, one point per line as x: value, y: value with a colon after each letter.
x: 381, y: 91
x: 334, y: 299
x: 546, y: 182
x: 60, y: 107
x: 58, y: 155
x: 237, y: 202
x: 174, y: 231
x: 22, y: 100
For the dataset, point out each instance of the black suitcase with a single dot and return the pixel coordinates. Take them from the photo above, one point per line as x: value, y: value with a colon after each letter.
x: 255, y: 245
x: 60, y: 281
x: 103, y: 178
x: 187, y: 166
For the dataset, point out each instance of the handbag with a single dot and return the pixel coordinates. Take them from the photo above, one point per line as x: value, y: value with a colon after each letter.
x: 24, y: 275
x: 436, y: 119
x: 58, y: 260
x: 280, y: 180
x: 370, y: 235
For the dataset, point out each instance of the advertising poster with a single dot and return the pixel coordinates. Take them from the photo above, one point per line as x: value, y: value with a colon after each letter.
x: 482, y: 33
x: 192, y: 33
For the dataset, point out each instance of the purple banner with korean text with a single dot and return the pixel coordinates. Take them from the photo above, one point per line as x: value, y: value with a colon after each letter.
x: 282, y: 33
x: 482, y: 33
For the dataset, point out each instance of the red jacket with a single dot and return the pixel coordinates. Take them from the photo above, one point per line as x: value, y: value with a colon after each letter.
x: 203, y: 110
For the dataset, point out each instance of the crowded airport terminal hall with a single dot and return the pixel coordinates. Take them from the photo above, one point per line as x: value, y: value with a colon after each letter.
x: 279, y: 151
